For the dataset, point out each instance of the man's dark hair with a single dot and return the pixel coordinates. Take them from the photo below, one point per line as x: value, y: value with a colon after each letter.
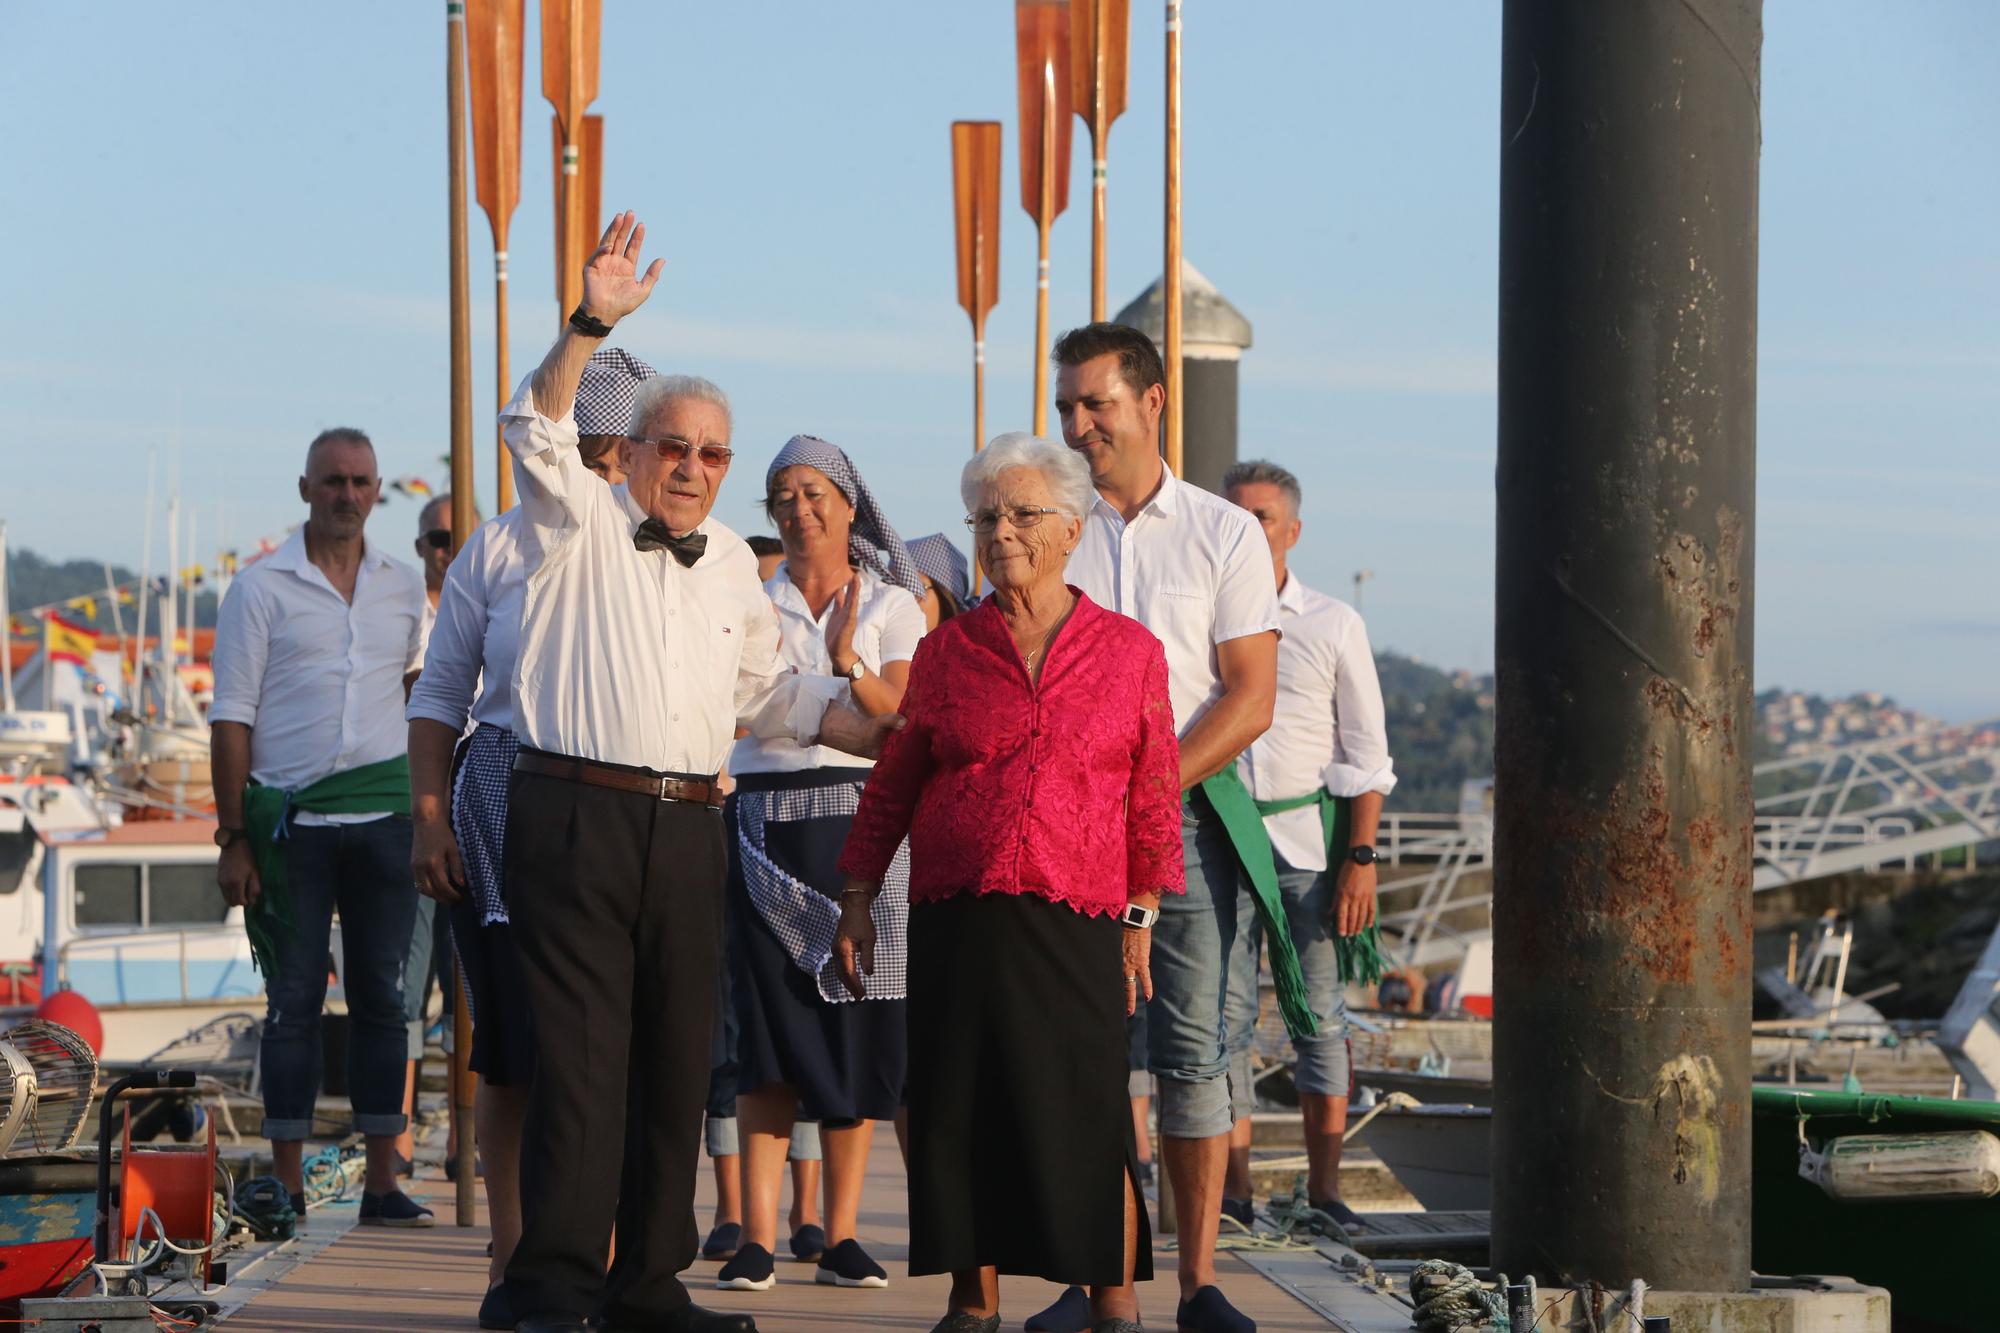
x: 761, y: 545
x: 1138, y: 360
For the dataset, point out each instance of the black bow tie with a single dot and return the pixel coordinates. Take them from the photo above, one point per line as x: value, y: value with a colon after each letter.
x: 653, y: 536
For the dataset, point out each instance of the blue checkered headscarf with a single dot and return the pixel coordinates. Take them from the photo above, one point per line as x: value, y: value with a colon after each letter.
x: 605, y: 394
x: 937, y: 556
x: 872, y: 544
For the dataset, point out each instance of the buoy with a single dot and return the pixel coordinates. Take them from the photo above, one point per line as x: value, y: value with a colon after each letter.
x: 76, y: 1013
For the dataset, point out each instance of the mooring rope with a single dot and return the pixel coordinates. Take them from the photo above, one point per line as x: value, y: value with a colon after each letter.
x: 1448, y: 1297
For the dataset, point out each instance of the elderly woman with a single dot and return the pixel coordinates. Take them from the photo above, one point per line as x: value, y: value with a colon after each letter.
x: 942, y: 567
x: 846, y: 598
x: 460, y: 808
x: 1037, y: 779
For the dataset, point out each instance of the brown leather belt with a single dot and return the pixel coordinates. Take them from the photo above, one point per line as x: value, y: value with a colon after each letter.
x: 659, y: 786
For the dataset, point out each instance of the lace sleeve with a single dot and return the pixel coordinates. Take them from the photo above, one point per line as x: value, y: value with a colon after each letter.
x: 898, y: 778
x: 1153, y: 807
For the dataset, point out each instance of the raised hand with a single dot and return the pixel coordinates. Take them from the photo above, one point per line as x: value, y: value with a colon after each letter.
x: 612, y: 287
x: 840, y: 627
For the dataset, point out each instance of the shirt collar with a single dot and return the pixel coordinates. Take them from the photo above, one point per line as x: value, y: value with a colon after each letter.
x: 1292, y: 597
x: 291, y: 554
x: 1166, y: 500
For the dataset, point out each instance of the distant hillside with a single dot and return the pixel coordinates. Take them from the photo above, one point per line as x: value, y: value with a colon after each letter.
x: 33, y: 581
x: 1440, y: 731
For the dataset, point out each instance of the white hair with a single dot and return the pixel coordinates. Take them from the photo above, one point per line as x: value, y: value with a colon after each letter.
x: 657, y: 392
x: 1062, y: 467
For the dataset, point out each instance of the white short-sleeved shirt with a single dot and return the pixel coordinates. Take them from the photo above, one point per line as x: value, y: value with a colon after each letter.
x: 888, y: 624
x: 627, y: 656
x: 316, y: 678
x: 469, y: 665
x: 1192, y: 568
x: 1327, y: 727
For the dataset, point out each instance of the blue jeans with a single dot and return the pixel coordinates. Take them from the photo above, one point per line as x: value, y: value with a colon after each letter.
x: 1192, y: 943
x: 364, y: 870
x: 1323, y: 1064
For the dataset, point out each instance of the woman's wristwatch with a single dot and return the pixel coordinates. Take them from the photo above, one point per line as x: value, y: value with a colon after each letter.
x: 1136, y: 917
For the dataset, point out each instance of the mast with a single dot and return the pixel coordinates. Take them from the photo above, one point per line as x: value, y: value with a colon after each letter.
x: 6, y: 638
x: 1171, y: 292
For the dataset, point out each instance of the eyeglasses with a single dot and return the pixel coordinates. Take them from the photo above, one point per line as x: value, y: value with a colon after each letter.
x: 672, y: 449
x: 438, y: 539
x: 1021, y: 516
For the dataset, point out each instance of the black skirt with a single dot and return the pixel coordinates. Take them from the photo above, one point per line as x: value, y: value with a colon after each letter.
x: 1021, y: 1144
x: 847, y: 1060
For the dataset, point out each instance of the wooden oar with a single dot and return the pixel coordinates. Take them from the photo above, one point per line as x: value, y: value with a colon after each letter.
x: 975, y: 191
x: 1042, y: 49
x: 1171, y: 286
x: 461, y: 485
x: 569, y: 81
x: 590, y: 171
x: 1099, y: 37
x: 494, y: 30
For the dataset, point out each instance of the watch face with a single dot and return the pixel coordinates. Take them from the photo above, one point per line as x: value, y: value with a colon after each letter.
x: 1362, y: 856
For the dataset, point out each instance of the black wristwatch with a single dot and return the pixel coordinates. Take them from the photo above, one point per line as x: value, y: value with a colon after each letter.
x: 1362, y: 856
x: 226, y: 836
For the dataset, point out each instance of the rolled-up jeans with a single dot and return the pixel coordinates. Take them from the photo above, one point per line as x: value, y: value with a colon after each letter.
x: 1192, y: 944
x: 363, y: 870
x: 1323, y: 1062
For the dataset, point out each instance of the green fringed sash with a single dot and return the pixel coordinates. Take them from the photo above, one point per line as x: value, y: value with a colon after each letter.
x: 1245, y: 826
x: 1359, y: 955
x: 379, y: 788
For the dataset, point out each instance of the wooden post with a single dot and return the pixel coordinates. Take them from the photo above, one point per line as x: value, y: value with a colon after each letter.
x: 494, y: 33
x: 1099, y: 37
x: 1171, y: 289
x: 461, y: 480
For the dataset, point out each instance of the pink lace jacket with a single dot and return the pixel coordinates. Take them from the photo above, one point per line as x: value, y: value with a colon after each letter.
x: 1070, y: 790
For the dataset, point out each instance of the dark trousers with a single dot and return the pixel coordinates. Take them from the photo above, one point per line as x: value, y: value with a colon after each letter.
x: 364, y: 870
x: 616, y: 900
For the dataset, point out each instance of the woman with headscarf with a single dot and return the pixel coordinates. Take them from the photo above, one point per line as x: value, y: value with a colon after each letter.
x: 947, y: 589
x: 846, y: 598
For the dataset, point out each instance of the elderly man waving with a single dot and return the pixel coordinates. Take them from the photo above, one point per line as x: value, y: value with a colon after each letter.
x: 645, y: 641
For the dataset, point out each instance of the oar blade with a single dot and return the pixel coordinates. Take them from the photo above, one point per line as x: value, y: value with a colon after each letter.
x: 975, y: 181
x: 1091, y: 21
x: 494, y: 30
x: 569, y: 55
x: 1042, y: 50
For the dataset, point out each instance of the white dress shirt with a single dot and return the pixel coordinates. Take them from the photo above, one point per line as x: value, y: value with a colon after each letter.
x: 1327, y: 727
x: 1192, y: 568
x: 887, y: 625
x: 626, y: 656
x: 469, y: 665
x: 317, y: 679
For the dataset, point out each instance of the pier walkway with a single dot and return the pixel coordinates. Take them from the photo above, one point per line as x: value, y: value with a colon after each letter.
x: 369, y: 1279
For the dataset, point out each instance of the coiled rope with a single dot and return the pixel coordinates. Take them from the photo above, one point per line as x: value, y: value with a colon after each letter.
x: 1448, y: 1297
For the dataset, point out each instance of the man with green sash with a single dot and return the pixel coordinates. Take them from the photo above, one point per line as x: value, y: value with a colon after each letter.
x: 1302, y: 814
x: 312, y: 795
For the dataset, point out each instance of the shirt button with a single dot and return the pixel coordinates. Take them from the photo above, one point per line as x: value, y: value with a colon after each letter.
x: 673, y: 611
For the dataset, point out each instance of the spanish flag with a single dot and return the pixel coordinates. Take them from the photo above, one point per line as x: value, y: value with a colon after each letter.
x: 64, y: 642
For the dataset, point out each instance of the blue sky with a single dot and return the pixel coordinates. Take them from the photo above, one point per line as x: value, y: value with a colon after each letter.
x: 227, y: 231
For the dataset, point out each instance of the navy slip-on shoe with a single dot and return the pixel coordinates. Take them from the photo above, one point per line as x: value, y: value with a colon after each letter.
x: 961, y: 1322
x: 1209, y: 1311
x: 723, y: 1242
x: 1070, y: 1314
x: 808, y: 1244
x: 751, y: 1270
x: 394, y: 1209
x: 848, y: 1265
x: 496, y: 1311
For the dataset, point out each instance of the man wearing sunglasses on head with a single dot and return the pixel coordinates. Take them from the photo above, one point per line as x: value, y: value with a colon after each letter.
x: 645, y: 641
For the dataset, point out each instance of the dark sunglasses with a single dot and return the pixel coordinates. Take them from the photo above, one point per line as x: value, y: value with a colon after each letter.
x: 672, y: 449
x: 439, y: 539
